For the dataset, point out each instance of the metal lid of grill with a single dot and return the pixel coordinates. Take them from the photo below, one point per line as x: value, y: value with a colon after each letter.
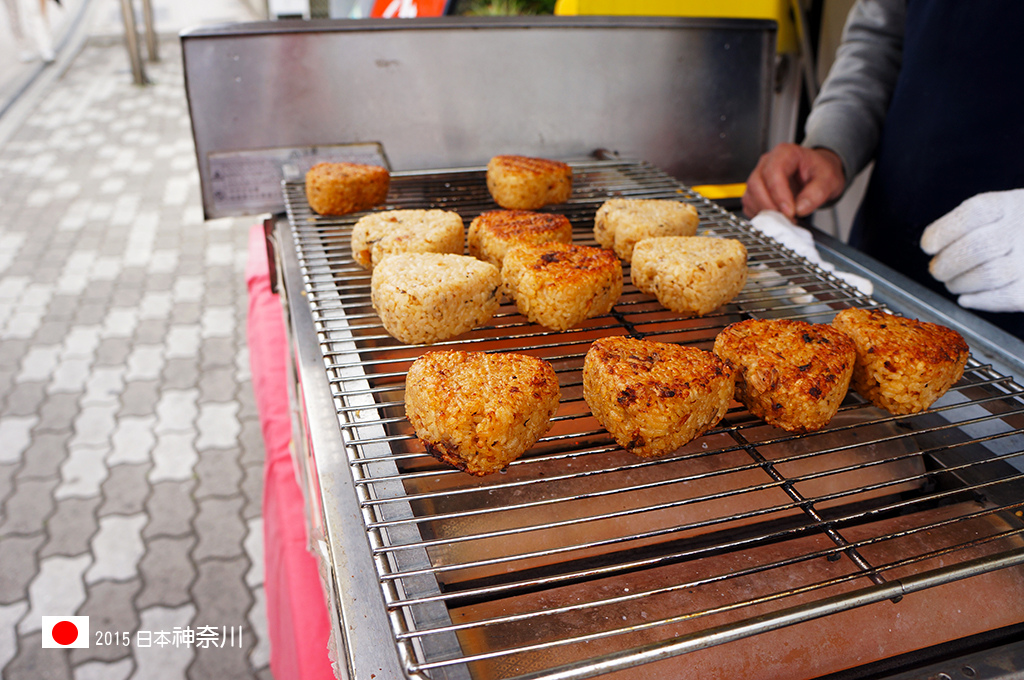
x: 582, y: 559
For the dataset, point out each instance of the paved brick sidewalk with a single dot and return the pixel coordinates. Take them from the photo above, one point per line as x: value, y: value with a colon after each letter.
x: 130, y: 451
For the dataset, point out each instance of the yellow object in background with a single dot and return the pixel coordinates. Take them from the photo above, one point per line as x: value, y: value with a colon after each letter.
x: 777, y: 10
x: 715, y: 192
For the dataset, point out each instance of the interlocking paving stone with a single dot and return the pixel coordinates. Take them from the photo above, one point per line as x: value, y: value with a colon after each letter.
x: 44, y: 455
x: 218, y: 425
x: 217, y: 352
x: 252, y: 489
x: 58, y: 412
x: 102, y: 670
x: 48, y: 331
x: 167, y: 572
x: 219, y: 473
x: 117, y: 547
x: 58, y: 587
x: 7, y: 474
x: 220, y: 528
x: 9, y: 617
x: 125, y: 490
x: 253, y: 545
x: 132, y: 440
x: 39, y: 363
x: 80, y: 342
x: 18, y: 566
x: 15, y: 436
x: 145, y: 362
x: 165, y: 662
x: 218, y: 384
x: 171, y: 509
x: 110, y: 607
x: 35, y: 663
x: 182, y: 341
x: 71, y: 527
x: 113, y: 351
x: 70, y: 375
x: 12, y: 352
x: 94, y: 425
x: 174, y: 457
x: 25, y: 398
x: 186, y: 312
x: 28, y: 506
x: 139, y: 398
x: 108, y: 276
x: 180, y: 374
x: 260, y: 654
x: 224, y: 601
x: 176, y: 410
x: 83, y: 472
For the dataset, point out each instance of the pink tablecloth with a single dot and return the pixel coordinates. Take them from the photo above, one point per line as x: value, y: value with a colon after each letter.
x: 296, y: 611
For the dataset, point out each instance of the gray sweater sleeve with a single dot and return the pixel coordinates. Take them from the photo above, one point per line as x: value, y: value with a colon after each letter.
x: 847, y: 116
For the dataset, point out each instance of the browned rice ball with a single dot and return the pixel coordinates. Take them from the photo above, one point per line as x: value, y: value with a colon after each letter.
x: 903, y: 365
x: 477, y: 411
x: 690, y: 275
x: 791, y: 374
x: 620, y: 223
x: 492, y: 233
x: 559, y: 285
x: 654, y: 397
x: 525, y: 183
x: 342, y: 188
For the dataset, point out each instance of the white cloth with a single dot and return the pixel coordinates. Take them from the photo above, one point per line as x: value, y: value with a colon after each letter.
x: 978, y: 250
x: 801, y: 242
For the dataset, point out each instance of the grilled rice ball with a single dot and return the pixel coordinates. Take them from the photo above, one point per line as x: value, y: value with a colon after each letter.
x: 691, y: 275
x: 622, y: 222
x: 559, y: 285
x: 903, y: 365
x: 378, y: 235
x: 653, y: 397
x: 342, y: 188
x: 492, y: 233
x: 524, y: 183
x: 423, y: 298
x: 478, y: 411
x: 791, y: 374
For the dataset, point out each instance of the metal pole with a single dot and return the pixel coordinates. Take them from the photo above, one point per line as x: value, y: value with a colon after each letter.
x: 151, y: 40
x: 131, y: 40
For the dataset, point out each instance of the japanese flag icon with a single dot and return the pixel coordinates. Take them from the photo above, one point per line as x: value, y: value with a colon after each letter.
x: 65, y: 631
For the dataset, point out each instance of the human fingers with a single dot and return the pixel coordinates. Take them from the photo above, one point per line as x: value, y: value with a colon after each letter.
x: 768, y: 187
x: 823, y: 178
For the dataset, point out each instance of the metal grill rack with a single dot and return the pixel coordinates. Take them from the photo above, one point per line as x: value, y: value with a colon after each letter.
x: 581, y: 559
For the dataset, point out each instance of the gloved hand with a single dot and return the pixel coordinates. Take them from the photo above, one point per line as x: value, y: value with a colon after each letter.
x: 979, y: 251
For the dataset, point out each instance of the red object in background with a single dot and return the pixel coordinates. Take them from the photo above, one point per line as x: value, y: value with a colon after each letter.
x: 297, y: 619
x: 407, y: 9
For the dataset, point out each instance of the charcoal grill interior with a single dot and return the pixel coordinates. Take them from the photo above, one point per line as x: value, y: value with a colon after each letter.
x: 581, y: 559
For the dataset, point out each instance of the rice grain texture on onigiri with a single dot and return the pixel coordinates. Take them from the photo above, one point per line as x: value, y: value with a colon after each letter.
x: 422, y: 298
x: 654, y: 397
x: 691, y: 275
x: 903, y: 365
x: 478, y: 411
x: 559, y: 285
x: 791, y: 374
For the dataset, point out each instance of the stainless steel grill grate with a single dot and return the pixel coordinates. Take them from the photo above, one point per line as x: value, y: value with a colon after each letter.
x: 581, y: 559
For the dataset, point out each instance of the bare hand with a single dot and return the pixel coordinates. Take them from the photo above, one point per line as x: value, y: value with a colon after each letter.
x: 794, y: 181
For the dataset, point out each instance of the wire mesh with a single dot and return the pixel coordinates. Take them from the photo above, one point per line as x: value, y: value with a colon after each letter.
x: 584, y: 558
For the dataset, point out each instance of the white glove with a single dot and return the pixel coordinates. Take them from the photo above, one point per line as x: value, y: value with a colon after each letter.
x: 979, y: 251
x: 801, y: 242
